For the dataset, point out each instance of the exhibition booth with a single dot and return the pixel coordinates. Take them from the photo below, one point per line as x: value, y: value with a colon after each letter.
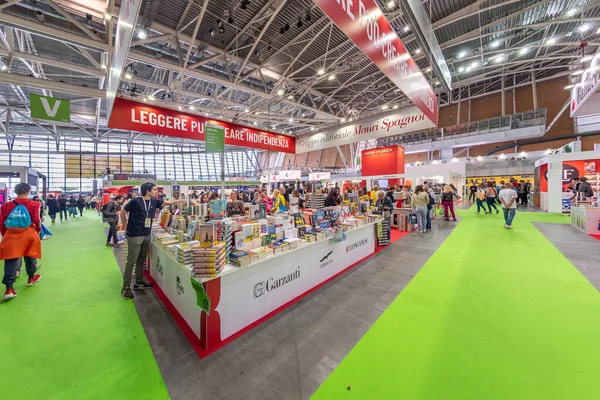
x: 555, y: 187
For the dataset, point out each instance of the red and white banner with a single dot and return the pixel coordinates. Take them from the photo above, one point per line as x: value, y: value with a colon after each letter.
x: 583, y: 92
x: 366, y: 25
x: 398, y: 122
x: 383, y: 161
x: 148, y: 118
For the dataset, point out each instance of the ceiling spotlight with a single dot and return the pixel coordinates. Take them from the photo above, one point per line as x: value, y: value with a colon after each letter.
x: 312, y: 128
x: 343, y: 120
x: 598, y: 31
x: 103, y: 66
x: 495, y: 44
x: 290, y: 97
x: 145, y: 99
x: 584, y: 28
x: 385, y: 107
x: 151, y: 98
x: 255, y: 123
x: 280, y: 92
x: 474, y: 65
x: 462, y: 54
x: 551, y: 41
x: 587, y: 58
x: 230, y: 20
x: 4, y: 68
x: 291, y: 120
x: 578, y: 72
x: 428, y: 69
x: 569, y: 87
x: 191, y: 108
x: 571, y: 12
x: 247, y: 110
x: 395, y: 106
x: 418, y: 51
x: 436, y: 83
x: 468, y: 69
x: 212, y: 33
x: 142, y: 34
x: 350, y: 120
x: 127, y: 75
x: 286, y: 27
x: 321, y: 72
x: 524, y: 50
x: 499, y: 58
x: 107, y: 17
x: 406, y: 28
x: 391, y: 4
x: 180, y: 108
x: 461, y: 70
x: 221, y: 30
x: 244, y: 4
x: 331, y: 77
x: 257, y: 113
x: 299, y: 23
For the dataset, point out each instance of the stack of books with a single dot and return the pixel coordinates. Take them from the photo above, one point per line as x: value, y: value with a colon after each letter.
x: 207, y: 234
x: 207, y: 262
x: 239, y: 258
x: 224, y: 230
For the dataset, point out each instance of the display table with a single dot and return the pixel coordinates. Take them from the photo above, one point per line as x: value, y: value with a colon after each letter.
x: 242, y: 297
x: 586, y: 219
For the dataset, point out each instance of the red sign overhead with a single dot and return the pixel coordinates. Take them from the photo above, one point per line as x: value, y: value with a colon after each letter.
x: 364, y: 23
x: 383, y: 161
x: 141, y: 117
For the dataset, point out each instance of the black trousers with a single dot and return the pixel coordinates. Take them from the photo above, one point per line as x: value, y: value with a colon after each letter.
x: 52, y: 215
x: 112, y: 233
x: 80, y: 210
x: 63, y: 210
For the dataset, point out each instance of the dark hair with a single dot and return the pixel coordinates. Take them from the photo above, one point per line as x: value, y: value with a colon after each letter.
x: 119, y: 197
x: 491, y: 184
x: 36, y: 198
x: 22, y: 188
x: 583, y: 179
x: 418, y: 189
x: 146, y: 187
x: 575, y: 179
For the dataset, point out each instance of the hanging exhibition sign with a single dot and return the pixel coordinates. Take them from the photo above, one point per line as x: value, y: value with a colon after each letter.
x: 49, y: 109
x: 383, y: 161
x: 366, y: 25
x: 215, y: 139
x: 317, y: 176
x: 583, y: 91
x: 290, y: 175
x: 402, y: 121
x: 148, y: 118
x: 125, y: 28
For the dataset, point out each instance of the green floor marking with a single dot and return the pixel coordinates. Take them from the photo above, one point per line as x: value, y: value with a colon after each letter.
x: 494, y: 314
x: 73, y: 336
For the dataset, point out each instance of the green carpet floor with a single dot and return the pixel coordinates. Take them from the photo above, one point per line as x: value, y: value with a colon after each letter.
x: 493, y: 314
x: 72, y: 336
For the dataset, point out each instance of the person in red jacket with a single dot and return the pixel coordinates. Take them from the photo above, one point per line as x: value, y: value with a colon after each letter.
x: 20, y: 242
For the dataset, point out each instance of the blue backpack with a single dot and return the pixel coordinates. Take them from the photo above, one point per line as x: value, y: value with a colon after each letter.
x: 18, y: 218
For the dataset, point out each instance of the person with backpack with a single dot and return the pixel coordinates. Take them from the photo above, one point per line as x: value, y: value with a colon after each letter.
x: 385, y: 205
x: 62, y: 204
x: 112, y: 211
x: 20, y: 227
x: 585, y: 188
x: 53, y: 207
x: 430, y: 206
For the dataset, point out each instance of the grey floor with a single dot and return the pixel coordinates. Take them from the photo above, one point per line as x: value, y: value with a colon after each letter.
x: 290, y: 355
x: 580, y: 249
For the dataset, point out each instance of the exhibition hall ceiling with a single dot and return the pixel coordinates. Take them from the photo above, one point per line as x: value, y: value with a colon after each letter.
x: 280, y: 66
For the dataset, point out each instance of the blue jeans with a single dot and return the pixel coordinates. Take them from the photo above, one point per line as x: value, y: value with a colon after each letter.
x: 10, y: 270
x: 428, y: 223
x: 480, y: 205
x: 509, y: 215
x: 421, y: 212
x: 491, y: 202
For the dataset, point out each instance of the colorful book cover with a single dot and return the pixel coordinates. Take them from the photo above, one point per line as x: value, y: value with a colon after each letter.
x: 207, y: 235
x: 262, y: 211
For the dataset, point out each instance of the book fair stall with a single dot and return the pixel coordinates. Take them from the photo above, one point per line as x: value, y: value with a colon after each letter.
x: 224, y: 274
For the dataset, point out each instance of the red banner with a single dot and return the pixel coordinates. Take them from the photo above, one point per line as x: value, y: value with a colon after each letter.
x: 147, y: 118
x: 383, y: 161
x: 364, y: 23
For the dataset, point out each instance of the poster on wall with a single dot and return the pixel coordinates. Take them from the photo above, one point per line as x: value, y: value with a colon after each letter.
x: 82, y: 165
x: 536, y: 186
x: 476, y: 180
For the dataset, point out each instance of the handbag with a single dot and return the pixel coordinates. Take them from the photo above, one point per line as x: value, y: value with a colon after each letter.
x: 412, y: 218
x: 45, y: 233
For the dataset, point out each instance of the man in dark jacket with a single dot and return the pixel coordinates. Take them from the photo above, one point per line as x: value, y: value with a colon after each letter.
x: 585, y: 188
x: 112, y: 216
x: 62, y: 205
x: 81, y: 205
x: 53, y: 207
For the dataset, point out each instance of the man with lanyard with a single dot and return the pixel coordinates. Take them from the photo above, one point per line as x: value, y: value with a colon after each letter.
x: 138, y: 228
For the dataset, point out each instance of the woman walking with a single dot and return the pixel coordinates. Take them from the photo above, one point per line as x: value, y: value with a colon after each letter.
x: 491, y: 195
x: 448, y: 198
x: 419, y: 202
x: 480, y: 198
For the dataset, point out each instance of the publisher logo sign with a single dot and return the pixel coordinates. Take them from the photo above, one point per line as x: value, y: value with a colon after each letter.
x: 355, y: 245
x: 159, y: 266
x: 180, y: 289
x: 272, y: 284
x: 326, y: 260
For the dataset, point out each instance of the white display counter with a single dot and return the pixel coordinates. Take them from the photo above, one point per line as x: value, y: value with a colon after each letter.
x: 243, y: 297
x: 586, y: 219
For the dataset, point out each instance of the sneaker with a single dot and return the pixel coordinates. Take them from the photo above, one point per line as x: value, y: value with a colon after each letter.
x: 127, y: 294
x: 38, y: 265
x: 142, y: 286
x: 32, y: 281
x: 506, y: 226
x: 10, y: 294
x: 509, y: 226
x: 497, y: 211
x: 108, y: 244
x: 18, y: 274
